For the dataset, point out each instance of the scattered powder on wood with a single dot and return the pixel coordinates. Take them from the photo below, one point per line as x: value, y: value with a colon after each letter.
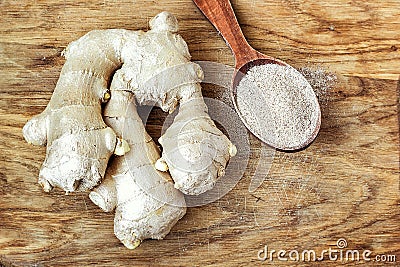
x: 322, y: 81
x: 278, y: 104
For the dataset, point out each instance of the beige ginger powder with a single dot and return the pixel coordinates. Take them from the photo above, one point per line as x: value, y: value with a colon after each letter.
x: 278, y: 104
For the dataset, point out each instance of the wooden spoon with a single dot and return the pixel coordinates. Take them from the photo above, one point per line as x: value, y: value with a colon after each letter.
x: 222, y: 16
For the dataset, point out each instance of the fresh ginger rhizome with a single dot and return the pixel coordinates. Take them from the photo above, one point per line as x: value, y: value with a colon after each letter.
x: 145, y: 189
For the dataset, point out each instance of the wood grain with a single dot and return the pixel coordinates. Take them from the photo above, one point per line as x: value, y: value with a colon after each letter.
x: 221, y: 15
x: 345, y: 185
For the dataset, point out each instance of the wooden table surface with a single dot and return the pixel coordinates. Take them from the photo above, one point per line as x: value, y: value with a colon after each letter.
x: 345, y: 185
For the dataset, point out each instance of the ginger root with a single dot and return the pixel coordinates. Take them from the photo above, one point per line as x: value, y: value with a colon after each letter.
x: 79, y: 143
x: 146, y: 203
x: 158, y: 71
x: 194, y: 149
x: 145, y: 190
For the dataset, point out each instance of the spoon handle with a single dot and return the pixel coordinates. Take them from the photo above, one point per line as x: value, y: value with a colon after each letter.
x: 222, y: 16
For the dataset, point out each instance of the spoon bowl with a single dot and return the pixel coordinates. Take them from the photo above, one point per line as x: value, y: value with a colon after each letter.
x: 276, y: 123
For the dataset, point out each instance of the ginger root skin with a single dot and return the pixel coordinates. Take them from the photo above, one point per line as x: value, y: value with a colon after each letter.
x: 194, y: 149
x: 105, y: 194
x: 146, y: 203
x: 150, y: 67
x: 79, y: 143
x: 158, y: 71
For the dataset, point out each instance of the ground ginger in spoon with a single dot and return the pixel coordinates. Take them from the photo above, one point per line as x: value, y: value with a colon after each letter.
x: 279, y: 104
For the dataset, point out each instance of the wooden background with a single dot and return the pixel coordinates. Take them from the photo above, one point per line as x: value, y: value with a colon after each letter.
x: 345, y: 185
